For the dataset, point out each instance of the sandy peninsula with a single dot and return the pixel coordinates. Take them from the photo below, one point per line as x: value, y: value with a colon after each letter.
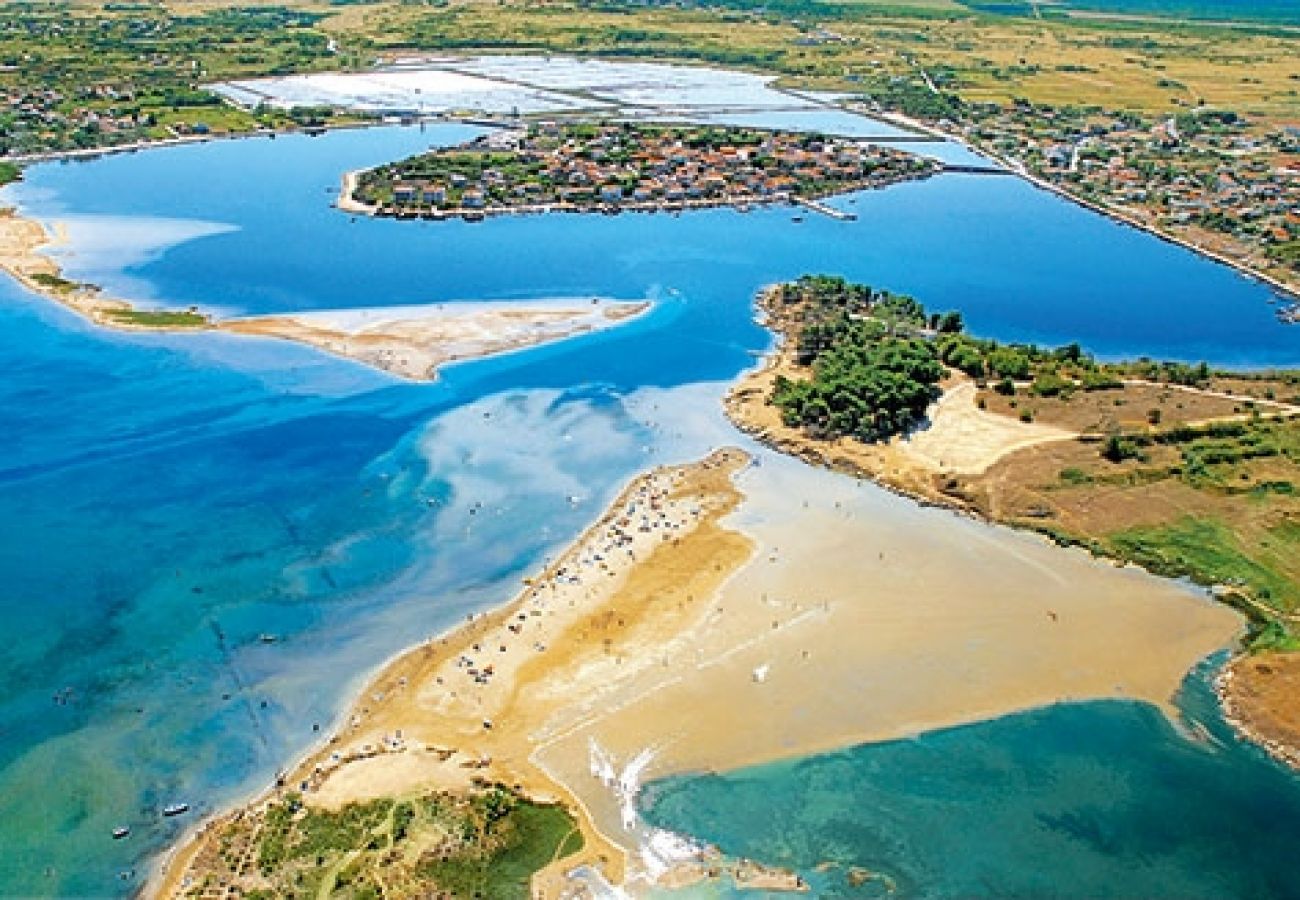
x: 21, y: 243
x: 735, y: 611
x: 413, y: 342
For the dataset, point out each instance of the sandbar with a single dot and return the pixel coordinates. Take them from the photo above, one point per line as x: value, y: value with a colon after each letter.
x: 414, y: 342
x: 743, y: 609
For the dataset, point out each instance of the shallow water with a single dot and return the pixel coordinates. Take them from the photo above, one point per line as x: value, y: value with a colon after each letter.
x: 1103, y: 799
x: 166, y: 500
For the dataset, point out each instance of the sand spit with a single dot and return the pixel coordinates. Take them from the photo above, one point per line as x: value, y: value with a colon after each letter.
x: 413, y: 342
x: 410, y: 342
x: 21, y: 241
x: 821, y: 613
x: 467, y: 705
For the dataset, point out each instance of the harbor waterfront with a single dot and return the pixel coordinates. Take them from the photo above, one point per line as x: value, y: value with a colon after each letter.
x: 233, y: 530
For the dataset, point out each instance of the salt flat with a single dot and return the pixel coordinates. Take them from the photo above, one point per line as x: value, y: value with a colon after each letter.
x: 523, y: 84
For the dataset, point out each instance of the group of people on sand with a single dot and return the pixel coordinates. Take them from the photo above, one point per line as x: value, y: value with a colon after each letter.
x: 647, y: 511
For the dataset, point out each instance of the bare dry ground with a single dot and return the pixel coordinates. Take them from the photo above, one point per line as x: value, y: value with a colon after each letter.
x: 1135, y: 406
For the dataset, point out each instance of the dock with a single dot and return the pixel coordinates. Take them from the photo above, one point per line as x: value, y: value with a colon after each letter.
x: 965, y: 169
x: 818, y: 207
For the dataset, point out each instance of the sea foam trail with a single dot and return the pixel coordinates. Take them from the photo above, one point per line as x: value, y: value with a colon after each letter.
x: 657, y: 850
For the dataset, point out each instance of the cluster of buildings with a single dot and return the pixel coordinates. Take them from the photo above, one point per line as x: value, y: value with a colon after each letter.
x: 1209, y: 177
x: 595, y: 167
x: 41, y: 119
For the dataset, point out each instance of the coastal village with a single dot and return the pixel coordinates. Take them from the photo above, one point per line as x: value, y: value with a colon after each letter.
x: 619, y: 166
x: 1210, y: 178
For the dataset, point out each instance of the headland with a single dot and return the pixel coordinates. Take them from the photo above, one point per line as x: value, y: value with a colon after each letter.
x: 1179, y: 469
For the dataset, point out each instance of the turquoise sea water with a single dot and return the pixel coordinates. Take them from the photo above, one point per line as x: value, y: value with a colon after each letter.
x: 1097, y: 800
x: 165, y: 500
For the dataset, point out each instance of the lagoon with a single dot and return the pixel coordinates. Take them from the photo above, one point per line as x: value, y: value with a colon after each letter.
x: 166, y: 500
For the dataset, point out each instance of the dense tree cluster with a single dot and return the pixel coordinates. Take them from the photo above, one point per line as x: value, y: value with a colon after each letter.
x: 873, y: 371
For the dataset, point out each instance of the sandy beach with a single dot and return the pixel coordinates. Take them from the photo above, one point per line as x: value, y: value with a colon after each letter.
x: 413, y: 342
x: 726, y: 613
x: 348, y: 202
x: 465, y: 705
x: 21, y: 241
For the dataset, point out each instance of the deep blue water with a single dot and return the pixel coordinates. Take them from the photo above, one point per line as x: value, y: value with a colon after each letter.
x: 1020, y: 263
x: 166, y: 500
x: 1230, y: 10
x: 1097, y: 800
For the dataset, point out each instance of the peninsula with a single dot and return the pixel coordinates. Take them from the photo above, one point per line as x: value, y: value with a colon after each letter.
x: 1185, y: 471
x: 411, y: 342
x: 612, y: 167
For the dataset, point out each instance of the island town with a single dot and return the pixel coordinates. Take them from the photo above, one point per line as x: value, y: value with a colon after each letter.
x: 611, y: 167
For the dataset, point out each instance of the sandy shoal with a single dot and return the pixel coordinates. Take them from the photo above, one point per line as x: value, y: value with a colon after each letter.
x: 22, y: 241
x: 863, y: 617
x: 816, y: 613
x: 413, y: 342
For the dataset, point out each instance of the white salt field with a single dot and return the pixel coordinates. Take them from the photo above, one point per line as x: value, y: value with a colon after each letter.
x: 427, y: 90
x: 527, y: 84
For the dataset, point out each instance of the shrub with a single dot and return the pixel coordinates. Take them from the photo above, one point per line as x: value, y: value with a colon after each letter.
x: 1050, y: 384
x: 1118, y: 448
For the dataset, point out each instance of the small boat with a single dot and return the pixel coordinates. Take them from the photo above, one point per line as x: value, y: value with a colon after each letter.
x: 176, y: 809
x: 120, y: 832
x: 796, y: 219
x: 266, y: 638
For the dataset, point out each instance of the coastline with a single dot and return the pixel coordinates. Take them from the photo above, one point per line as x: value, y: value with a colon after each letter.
x: 920, y: 480
x: 385, y: 666
x: 1288, y: 290
x: 1242, y: 688
x: 22, y: 239
x: 752, y: 633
